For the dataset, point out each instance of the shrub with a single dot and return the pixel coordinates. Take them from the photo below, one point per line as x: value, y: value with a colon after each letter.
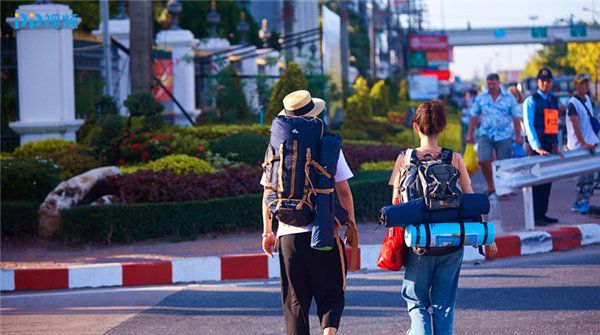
x: 45, y: 148
x: 72, y: 159
x: 19, y: 219
x: 359, y: 108
x: 165, y: 186
x: 128, y: 223
x: 180, y: 164
x: 293, y: 79
x: 215, y: 131
x: 380, y: 98
x: 28, y: 179
x: 245, y: 147
x: 357, y: 154
x: 377, y: 166
x: 143, y: 105
x: 74, y: 164
x: 145, y: 147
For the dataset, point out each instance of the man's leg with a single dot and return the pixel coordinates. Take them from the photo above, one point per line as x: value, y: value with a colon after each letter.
x: 295, y: 287
x: 327, y: 277
x: 485, y: 150
x: 415, y: 290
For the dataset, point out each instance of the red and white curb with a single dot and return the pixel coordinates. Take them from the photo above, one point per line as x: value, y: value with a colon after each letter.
x: 259, y: 266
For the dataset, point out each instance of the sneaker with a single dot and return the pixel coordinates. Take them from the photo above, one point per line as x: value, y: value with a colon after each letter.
x: 576, y: 207
x: 584, y: 208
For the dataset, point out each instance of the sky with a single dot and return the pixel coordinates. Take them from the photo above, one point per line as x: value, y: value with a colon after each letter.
x: 477, y: 61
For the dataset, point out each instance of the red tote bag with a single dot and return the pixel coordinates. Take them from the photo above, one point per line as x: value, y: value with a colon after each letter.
x: 391, y: 256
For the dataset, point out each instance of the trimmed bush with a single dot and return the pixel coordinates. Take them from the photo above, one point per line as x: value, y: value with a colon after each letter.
x: 215, y: 131
x: 292, y: 79
x: 165, y: 186
x: 248, y: 148
x: 358, y: 154
x: 180, y: 164
x: 377, y: 166
x: 19, y: 219
x: 71, y: 158
x: 28, y: 179
x: 129, y: 223
x: 45, y: 148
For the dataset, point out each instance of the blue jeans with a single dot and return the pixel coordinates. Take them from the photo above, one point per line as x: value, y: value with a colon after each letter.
x: 431, y: 281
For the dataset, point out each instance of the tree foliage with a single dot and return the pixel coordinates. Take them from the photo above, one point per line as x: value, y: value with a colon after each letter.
x: 293, y: 79
x: 231, y: 100
x: 359, y: 107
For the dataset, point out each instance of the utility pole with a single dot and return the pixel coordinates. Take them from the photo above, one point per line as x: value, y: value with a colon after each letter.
x: 288, y: 26
x: 344, y: 43
x: 140, y: 12
x: 108, y: 85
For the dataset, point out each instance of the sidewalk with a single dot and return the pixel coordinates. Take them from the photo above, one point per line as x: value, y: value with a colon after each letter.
x: 47, y: 264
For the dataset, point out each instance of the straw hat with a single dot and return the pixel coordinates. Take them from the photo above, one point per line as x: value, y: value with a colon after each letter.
x: 300, y: 103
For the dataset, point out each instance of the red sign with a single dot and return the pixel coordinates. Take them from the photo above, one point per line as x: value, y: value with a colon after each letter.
x: 163, y: 69
x: 438, y: 55
x: 440, y: 74
x: 427, y: 42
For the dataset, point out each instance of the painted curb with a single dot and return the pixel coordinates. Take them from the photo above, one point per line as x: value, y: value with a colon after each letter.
x: 260, y: 266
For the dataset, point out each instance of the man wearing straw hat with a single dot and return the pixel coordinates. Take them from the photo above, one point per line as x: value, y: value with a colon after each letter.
x: 306, y: 272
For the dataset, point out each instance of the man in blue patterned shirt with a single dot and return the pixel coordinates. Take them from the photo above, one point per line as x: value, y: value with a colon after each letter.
x: 499, y: 126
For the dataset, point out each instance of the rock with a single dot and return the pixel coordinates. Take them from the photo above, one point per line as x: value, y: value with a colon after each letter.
x: 68, y: 194
x: 105, y: 200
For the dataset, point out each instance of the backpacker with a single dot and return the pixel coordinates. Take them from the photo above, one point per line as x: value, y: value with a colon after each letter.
x: 294, y: 154
x: 433, y: 179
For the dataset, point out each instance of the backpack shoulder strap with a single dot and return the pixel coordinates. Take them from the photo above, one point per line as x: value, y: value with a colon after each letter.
x: 446, y: 156
x: 410, y: 157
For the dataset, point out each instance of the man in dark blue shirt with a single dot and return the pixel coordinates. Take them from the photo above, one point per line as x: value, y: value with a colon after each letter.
x: 540, y: 116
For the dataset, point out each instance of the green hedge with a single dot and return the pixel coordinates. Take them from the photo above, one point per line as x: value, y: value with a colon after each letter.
x: 185, y: 220
x: 19, y: 219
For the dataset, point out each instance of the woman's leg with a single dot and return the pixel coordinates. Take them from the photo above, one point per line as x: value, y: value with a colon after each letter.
x: 443, y: 291
x: 415, y: 290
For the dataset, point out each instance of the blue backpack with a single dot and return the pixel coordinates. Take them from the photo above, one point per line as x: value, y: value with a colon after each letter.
x: 294, y: 147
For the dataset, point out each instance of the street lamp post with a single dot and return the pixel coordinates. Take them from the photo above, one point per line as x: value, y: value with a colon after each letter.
x: 243, y: 27
x: 264, y: 34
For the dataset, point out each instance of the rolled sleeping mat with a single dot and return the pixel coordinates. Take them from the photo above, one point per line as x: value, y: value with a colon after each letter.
x: 447, y: 234
x: 412, y: 212
x: 322, y: 232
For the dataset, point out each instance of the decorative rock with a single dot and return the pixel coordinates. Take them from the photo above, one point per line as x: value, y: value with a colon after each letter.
x: 68, y: 194
x: 105, y: 200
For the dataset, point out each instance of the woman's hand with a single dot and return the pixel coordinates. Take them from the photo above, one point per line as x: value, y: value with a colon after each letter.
x: 492, y: 249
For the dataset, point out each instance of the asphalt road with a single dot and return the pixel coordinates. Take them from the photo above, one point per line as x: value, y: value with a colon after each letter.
x: 553, y: 293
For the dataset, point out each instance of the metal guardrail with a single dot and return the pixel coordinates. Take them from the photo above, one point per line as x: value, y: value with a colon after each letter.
x: 523, y: 173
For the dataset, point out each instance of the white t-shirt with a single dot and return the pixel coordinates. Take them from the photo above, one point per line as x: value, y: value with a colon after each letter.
x: 584, y: 124
x: 342, y: 173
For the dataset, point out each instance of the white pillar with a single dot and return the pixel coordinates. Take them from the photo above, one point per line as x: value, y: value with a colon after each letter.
x: 46, y: 78
x: 119, y: 29
x: 181, y: 42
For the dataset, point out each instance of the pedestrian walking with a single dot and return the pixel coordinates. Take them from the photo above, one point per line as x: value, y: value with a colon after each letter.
x: 540, y: 117
x: 581, y: 135
x: 499, y: 127
x: 306, y: 272
x: 431, y: 275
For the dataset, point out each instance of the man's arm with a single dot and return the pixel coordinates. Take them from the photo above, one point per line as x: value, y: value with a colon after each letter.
x: 269, y: 241
x: 344, y: 193
x: 575, y: 120
x: 475, y: 111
